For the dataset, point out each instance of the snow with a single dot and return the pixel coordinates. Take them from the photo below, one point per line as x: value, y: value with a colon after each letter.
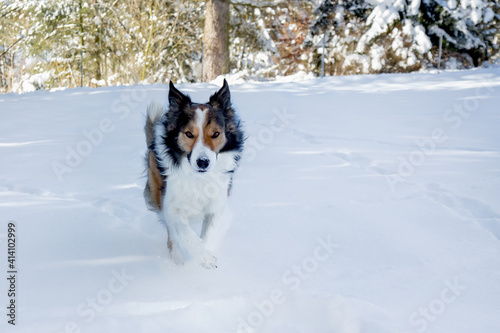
x: 99, y: 83
x: 414, y: 7
x: 377, y: 54
x: 452, y: 63
x: 361, y: 59
x: 417, y: 32
x: 489, y: 15
x: 383, y: 15
x: 265, y: 38
x: 363, y: 204
x: 452, y: 4
x: 37, y: 81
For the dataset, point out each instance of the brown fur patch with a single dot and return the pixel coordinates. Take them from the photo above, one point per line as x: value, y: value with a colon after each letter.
x: 186, y: 143
x: 215, y: 144
x: 155, y: 187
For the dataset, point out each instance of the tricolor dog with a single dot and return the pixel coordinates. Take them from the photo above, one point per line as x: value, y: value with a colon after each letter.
x: 193, y: 151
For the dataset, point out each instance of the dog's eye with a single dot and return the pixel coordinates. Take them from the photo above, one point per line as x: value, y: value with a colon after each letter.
x: 215, y: 135
x: 189, y: 134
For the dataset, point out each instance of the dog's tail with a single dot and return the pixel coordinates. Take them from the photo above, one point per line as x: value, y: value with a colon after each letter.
x: 154, y: 112
x: 155, y: 186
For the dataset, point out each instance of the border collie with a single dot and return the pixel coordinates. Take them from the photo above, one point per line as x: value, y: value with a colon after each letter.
x: 193, y: 151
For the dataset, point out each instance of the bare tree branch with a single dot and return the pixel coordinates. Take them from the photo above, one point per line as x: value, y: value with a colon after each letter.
x: 257, y: 3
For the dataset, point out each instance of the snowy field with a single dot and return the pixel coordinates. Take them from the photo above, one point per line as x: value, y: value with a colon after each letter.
x: 364, y: 204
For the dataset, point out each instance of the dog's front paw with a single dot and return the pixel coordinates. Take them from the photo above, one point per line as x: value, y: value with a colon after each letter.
x: 208, y: 260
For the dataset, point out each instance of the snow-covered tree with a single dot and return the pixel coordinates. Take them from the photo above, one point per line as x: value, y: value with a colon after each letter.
x: 469, y: 27
x: 371, y: 36
x: 16, y: 30
x: 123, y: 42
x: 267, y: 37
x: 252, y: 47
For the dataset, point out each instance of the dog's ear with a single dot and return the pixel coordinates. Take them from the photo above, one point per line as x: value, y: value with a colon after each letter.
x: 176, y: 99
x: 222, y: 98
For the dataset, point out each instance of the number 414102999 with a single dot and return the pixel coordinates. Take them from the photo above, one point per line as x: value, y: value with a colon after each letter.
x: 11, y: 248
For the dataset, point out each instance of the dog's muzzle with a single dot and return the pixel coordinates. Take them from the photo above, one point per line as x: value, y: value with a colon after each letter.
x: 203, y: 164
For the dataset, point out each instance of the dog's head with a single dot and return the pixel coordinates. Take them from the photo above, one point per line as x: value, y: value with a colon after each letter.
x: 201, y: 131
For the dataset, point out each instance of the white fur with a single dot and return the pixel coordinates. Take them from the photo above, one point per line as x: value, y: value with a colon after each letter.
x: 200, y: 150
x: 155, y: 110
x: 191, y: 196
x: 200, y: 118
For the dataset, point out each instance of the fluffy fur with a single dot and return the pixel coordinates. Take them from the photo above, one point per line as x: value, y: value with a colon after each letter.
x: 193, y: 151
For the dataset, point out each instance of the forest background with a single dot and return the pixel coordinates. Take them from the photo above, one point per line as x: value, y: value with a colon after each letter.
x: 49, y: 44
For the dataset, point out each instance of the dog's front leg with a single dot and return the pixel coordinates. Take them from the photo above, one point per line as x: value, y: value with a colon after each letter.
x: 185, y: 244
x: 209, y: 223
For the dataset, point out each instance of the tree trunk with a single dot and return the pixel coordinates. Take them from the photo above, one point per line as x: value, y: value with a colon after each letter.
x: 216, y: 39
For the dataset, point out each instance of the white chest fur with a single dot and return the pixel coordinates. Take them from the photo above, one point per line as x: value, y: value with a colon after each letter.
x: 193, y: 195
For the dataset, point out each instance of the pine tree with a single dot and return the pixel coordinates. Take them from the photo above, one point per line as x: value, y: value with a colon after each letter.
x: 394, y: 36
x: 467, y: 28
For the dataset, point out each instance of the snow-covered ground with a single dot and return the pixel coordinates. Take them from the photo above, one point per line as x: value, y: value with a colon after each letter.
x: 364, y: 204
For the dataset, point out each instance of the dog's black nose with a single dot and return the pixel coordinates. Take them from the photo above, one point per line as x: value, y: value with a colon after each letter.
x: 203, y: 163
